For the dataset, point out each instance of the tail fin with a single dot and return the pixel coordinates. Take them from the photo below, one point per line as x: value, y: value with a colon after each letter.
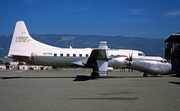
x: 19, y: 40
x: 20, y: 29
x: 22, y: 43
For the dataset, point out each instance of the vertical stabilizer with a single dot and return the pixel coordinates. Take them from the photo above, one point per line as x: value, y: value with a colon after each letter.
x: 19, y: 40
x: 22, y: 43
x: 20, y: 29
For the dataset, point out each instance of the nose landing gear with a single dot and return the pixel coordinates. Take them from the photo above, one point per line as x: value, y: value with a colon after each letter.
x: 145, y: 74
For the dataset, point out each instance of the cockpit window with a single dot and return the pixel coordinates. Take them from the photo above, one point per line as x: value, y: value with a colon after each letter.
x: 141, y: 54
x: 163, y: 61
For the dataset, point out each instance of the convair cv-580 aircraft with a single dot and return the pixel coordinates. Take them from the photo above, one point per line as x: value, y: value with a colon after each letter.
x: 23, y: 47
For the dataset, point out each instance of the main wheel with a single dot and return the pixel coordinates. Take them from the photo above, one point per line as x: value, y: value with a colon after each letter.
x: 95, y: 75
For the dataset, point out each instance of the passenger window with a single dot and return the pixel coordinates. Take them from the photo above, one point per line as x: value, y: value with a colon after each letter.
x: 80, y: 55
x: 74, y: 55
x: 61, y: 55
x: 55, y: 54
x: 68, y: 55
x: 87, y: 55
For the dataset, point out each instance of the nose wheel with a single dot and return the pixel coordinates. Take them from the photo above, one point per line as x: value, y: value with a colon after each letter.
x: 145, y: 74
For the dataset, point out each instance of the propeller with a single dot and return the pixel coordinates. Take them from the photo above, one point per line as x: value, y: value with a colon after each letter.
x: 129, y: 59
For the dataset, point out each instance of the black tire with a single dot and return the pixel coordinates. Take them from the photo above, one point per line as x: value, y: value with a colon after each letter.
x: 144, y: 75
x: 94, y: 75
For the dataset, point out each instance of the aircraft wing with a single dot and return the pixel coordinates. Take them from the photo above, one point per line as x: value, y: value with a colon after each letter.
x: 96, y: 54
x: 98, y: 59
x: 80, y: 63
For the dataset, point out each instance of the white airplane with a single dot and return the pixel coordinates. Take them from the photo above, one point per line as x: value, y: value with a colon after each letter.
x: 23, y: 47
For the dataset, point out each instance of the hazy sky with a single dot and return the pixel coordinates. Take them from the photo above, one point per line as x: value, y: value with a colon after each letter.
x: 133, y: 18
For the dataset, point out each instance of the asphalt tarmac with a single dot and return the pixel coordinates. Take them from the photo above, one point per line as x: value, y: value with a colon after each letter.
x: 74, y: 90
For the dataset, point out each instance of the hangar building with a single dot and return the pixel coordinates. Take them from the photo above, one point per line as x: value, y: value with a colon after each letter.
x: 172, y: 51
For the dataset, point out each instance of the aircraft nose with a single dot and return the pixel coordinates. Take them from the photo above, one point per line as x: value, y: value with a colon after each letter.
x: 169, y: 67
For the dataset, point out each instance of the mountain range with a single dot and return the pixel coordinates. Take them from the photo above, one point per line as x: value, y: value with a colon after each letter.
x: 150, y: 46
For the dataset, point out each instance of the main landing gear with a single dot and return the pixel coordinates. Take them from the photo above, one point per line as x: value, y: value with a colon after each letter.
x: 95, y: 74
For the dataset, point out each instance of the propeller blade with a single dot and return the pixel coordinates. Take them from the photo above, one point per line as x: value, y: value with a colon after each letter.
x: 130, y: 57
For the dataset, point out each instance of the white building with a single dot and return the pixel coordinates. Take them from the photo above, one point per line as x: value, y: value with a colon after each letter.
x: 13, y: 65
x: 2, y: 67
x: 34, y: 67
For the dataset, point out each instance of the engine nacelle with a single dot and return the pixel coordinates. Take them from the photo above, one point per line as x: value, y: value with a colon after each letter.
x: 118, y: 62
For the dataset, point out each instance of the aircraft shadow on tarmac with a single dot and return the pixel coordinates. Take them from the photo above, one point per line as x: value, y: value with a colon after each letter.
x: 31, y: 77
x: 82, y: 78
x: 10, y: 77
x: 79, y: 77
x: 86, y: 78
x: 177, y: 83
